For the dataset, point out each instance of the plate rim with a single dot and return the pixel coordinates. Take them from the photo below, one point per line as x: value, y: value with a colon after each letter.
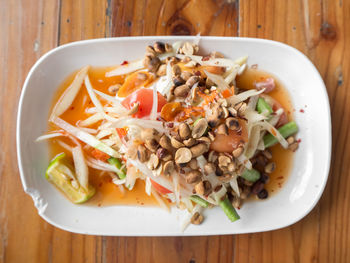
x: 24, y: 90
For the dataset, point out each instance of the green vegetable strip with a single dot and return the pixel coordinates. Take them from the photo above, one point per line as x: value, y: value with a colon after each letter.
x: 118, y: 164
x: 251, y: 175
x: 198, y: 200
x: 286, y: 130
x: 263, y: 107
x: 229, y: 210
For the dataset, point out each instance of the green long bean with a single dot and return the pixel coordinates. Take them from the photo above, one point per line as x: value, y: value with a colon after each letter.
x: 229, y: 210
x: 263, y: 107
x: 286, y: 130
x: 251, y: 175
x: 199, y: 200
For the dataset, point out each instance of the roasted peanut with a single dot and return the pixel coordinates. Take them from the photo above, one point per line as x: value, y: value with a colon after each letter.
x: 178, y: 81
x: 237, y: 152
x: 203, y: 188
x: 193, y: 177
x: 164, y: 142
x: 294, y: 146
x: 175, y: 143
x: 181, y: 91
x: 163, y: 154
x: 270, y: 167
x: 192, y: 80
x: 189, y: 142
x: 142, y: 153
x: 175, y: 70
x: 193, y: 164
x: 199, y: 128
x: 159, y: 47
x: 161, y: 70
x: 197, y: 219
x: 199, y: 149
x: 168, y: 167
x: 241, y: 108
x: 232, y: 123
x: 224, y: 161
x: 184, y: 131
x: 290, y: 139
x: 151, y: 144
x: 190, y: 64
x: 149, y: 133
x: 209, y: 168
x: 168, y: 48
x: 113, y: 89
x: 151, y: 63
x: 267, y: 153
x: 153, y: 161
x: 204, y: 140
x: 185, y: 75
x: 183, y: 155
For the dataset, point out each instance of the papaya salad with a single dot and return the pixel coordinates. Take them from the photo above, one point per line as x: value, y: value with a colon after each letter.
x: 179, y: 122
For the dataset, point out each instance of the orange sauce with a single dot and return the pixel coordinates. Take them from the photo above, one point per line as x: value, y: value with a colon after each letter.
x: 107, y: 193
x: 283, y: 158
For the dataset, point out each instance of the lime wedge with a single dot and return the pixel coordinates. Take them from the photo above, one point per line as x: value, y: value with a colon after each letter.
x: 60, y: 174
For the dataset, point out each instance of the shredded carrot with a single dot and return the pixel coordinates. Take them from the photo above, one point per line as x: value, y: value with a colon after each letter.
x: 121, y: 132
x: 190, y: 112
x: 99, y: 155
x: 228, y: 92
x: 208, y: 98
x: 194, y: 111
x: 273, y: 132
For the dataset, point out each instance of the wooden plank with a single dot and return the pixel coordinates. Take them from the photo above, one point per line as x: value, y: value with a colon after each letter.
x: 80, y: 20
x: 20, y: 47
x: 153, y: 17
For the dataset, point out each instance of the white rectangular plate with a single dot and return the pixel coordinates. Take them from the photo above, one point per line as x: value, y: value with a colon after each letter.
x: 297, y: 197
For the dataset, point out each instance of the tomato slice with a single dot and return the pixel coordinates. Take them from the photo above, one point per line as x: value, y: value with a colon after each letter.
x: 132, y: 83
x: 145, y: 99
x: 160, y: 188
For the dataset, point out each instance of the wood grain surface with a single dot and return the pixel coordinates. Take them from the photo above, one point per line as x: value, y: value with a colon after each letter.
x: 318, y: 28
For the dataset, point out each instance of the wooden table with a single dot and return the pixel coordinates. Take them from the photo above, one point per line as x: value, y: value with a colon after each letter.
x: 319, y: 28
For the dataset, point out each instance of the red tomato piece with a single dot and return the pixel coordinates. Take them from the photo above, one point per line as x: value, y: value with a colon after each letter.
x: 145, y: 99
x: 160, y: 188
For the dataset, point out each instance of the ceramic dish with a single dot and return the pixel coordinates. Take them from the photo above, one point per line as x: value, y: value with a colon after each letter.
x: 295, y: 200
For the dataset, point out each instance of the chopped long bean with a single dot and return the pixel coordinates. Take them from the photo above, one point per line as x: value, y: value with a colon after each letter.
x: 118, y: 164
x: 251, y: 175
x: 263, y: 107
x: 286, y: 130
x: 229, y: 210
x: 199, y: 200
